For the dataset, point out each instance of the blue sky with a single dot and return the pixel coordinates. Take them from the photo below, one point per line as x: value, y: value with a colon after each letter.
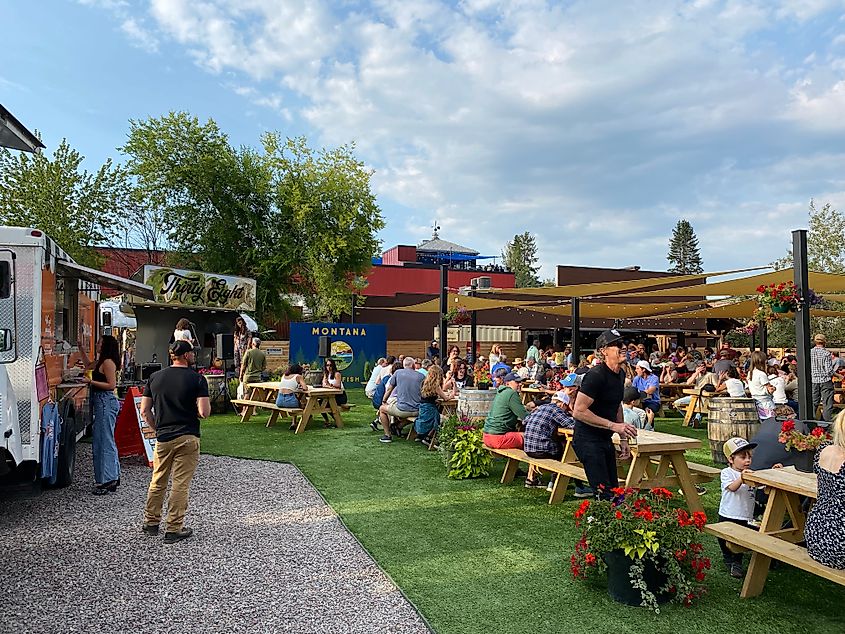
x: 595, y: 125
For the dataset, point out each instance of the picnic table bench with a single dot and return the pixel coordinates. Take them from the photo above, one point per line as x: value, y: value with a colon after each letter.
x: 318, y: 400
x: 771, y: 541
x: 657, y: 460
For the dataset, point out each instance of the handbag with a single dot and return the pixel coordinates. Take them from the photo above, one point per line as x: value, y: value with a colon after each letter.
x: 42, y: 387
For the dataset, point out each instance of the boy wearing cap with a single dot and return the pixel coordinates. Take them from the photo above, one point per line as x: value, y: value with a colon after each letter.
x: 506, y: 411
x: 737, y: 503
x: 632, y: 413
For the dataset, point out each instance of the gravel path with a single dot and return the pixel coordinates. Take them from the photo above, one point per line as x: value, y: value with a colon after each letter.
x: 267, y: 555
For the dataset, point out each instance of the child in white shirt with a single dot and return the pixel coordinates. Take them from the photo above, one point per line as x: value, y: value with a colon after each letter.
x: 639, y: 418
x: 737, y: 503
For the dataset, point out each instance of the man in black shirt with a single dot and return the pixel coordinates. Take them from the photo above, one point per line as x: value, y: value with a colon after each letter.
x: 598, y: 414
x: 179, y: 397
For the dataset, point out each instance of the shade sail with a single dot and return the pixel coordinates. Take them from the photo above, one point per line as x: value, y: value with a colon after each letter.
x: 737, y: 310
x: 819, y: 282
x: 454, y: 300
x: 609, y: 288
x: 597, y: 310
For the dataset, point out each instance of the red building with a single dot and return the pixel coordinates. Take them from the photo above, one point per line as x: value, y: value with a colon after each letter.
x: 125, y: 262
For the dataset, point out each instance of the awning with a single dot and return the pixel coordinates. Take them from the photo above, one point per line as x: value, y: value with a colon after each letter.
x: 742, y: 310
x: 598, y: 310
x: 72, y: 269
x: 14, y: 135
x: 455, y: 301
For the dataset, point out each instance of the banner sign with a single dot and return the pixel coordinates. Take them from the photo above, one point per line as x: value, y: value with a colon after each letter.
x: 132, y: 435
x: 355, y: 347
x: 197, y: 289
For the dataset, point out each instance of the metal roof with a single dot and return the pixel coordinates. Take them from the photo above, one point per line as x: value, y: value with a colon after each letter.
x: 14, y: 135
x: 436, y: 245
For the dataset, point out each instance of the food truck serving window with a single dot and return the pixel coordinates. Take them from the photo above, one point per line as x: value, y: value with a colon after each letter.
x: 67, y: 309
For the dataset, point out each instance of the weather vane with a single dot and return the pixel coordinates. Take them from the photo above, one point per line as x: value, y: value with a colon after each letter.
x: 436, y: 229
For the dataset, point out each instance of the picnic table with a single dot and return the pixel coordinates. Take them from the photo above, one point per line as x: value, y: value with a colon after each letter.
x: 673, y: 390
x: 699, y: 404
x: 318, y: 400
x: 528, y: 394
x: 658, y: 460
x: 785, y: 487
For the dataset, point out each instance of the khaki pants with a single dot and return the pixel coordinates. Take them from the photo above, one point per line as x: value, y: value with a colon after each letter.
x: 179, y: 457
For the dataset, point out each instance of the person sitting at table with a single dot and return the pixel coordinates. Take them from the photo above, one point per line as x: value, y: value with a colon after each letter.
x: 519, y: 367
x: 648, y: 385
x: 375, y: 377
x: 453, y: 355
x: 458, y: 380
x: 730, y: 382
x: 501, y: 364
x: 405, y: 385
x: 290, y: 386
x: 783, y: 408
x: 825, y: 528
x: 428, y: 420
x: 333, y: 379
x: 541, y: 439
x: 495, y: 354
x: 632, y: 412
x: 700, y: 379
x: 506, y: 410
x: 737, y: 502
x: 378, y: 393
x: 669, y: 374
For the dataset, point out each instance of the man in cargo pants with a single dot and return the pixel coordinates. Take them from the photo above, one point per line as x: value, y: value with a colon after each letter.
x: 179, y: 397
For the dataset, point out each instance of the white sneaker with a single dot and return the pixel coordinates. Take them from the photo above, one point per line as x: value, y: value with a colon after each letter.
x: 550, y: 486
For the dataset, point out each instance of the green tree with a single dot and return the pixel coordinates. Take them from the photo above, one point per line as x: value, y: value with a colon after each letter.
x: 298, y: 220
x: 684, y: 255
x: 825, y: 254
x: 75, y: 207
x: 520, y: 257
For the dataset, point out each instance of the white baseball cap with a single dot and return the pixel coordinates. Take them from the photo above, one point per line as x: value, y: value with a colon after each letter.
x: 642, y: 363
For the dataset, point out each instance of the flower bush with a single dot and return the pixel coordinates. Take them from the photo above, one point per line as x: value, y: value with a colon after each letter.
x: 646, y: 527
x: 793, y: 439
x: 784, y: 293
x: 481, y: 374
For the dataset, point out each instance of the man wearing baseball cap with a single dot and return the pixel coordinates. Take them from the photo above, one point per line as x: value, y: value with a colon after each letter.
x: 180, y: 398
x: 821, y: 373
x: 506, y: 411
x: 648, y: 385
x: 598, y: 415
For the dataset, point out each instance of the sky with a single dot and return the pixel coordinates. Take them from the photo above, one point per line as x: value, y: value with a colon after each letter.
x: 595, y: 125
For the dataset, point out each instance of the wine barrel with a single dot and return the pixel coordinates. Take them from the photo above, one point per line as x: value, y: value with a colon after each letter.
x: 729, y: 417
x: 475, y: 404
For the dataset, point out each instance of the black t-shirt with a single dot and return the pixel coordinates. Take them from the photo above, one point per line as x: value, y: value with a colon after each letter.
x: 606, y: 388
x: 175, y: 391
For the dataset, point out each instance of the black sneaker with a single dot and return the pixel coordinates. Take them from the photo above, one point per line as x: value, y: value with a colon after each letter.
x: 395, y: 430
x: 375, y: 425
x: 178, y: 536
x: 737, y: 572
x: 150, y: 529
x: 537, y: 483
x: 385, y: 439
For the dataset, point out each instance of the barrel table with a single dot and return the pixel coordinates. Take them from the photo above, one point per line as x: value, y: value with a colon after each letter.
x: 729, y: 417
x: 475, y: 404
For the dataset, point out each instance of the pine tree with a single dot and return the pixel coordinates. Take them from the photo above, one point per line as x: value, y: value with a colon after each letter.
x: 684, y: 255
x: 520, y: 257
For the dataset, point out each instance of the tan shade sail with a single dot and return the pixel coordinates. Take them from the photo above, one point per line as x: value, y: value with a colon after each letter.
x: 738, y: 310
x: 454, y: 300
x: 608, y: 288
x: 819, y: 282
x: 597, y: 310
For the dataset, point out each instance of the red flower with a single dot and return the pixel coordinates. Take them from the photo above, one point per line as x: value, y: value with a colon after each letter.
x: 619, y: 515
x: 699, y: 519
x: 618, y: 491
x: 590, y: 559
x: 818, y: 432
x: 680, y: 555
x: 645, y: 514
x: 761, y: 289
x: 699, y: 576
x: 660, y: 492
x: 683, y: 518
x: 582, y: 509
x: 788, y: 426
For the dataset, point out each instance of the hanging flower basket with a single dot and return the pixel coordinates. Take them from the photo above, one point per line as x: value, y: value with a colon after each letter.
x: 783, y: 308
x: 458, y: 316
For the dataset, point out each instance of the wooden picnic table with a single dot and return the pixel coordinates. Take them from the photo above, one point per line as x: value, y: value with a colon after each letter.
x: 673, y: 390
x: 699, y: 404
x: 528, y: 394
x: 785, y: 487
x: 318, y: 400
x: 658, y: 460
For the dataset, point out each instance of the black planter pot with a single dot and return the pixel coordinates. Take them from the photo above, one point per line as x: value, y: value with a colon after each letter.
x: 803, y: 460
x: 619, y: 579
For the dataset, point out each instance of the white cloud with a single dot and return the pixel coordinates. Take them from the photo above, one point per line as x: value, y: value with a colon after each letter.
x: 139, y: 36
x: 582, y: 122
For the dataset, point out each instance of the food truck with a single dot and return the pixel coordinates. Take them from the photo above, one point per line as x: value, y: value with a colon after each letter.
x: 48, y: 314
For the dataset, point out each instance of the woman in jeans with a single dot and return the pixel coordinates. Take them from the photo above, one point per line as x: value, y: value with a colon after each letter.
x: 104, y: 407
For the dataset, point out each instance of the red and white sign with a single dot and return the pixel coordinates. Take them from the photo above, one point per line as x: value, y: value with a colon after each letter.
x: 132, y: 435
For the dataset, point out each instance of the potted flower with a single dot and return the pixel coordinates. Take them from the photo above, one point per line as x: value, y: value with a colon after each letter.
x: 781, y: 298
x: 457, y: 315
x: 805, y: 444
x: 650, y: 550
x: 462, y: 447
x: 481, y: 376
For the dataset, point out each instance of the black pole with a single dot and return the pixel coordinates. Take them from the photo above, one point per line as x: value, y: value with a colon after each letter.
x: 473, y: 338
x: 801, y: 277
x: 444, y: 296
x: 576, y: 330
x: 352, y: 314
x: 764, y: 339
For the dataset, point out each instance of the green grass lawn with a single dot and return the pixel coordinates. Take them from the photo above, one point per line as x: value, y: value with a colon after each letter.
x: 477, y: 556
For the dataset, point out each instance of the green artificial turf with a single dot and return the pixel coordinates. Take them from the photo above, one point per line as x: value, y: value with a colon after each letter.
x: 477, y: 556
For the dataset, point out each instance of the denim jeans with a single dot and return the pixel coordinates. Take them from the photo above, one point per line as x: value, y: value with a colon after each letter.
x: 105, y: 407
x: 287, y: 400
x: 598, y: 456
